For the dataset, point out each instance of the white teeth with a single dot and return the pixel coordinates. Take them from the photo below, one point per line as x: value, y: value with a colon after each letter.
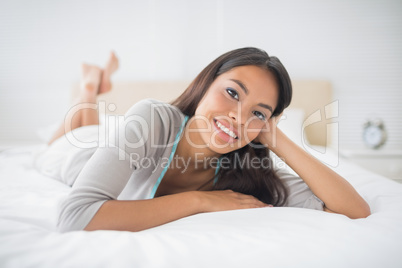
x: 226, y: 130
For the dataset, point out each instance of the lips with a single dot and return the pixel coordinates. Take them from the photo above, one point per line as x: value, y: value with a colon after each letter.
x: 225, y: 128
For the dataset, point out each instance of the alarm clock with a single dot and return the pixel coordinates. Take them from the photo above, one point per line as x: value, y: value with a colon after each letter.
x: 374, y: 134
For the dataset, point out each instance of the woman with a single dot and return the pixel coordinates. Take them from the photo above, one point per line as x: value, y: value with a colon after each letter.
x: 198, y: 154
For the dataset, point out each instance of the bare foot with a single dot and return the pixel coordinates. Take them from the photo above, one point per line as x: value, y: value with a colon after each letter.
x: 91, y: 77
x: 111, y: 66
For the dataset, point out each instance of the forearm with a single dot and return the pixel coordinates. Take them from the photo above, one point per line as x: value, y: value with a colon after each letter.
x: 139, y: 215
x: 337, y: 194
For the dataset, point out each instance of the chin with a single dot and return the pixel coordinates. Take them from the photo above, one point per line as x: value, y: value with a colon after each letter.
x: 224, y: 148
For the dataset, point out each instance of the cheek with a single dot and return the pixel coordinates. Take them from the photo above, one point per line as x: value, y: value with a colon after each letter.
x: 212, y: 103
x: 253, y: 128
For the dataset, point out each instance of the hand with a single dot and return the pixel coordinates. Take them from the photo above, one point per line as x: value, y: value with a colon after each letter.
x: 228, y: 200
x: 268, y: 133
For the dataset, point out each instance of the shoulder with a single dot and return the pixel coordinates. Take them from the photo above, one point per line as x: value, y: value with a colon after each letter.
x: 156, y: 118
x: 151, y: 110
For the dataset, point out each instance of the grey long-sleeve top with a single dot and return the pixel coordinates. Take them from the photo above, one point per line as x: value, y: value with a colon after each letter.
x: 133, y: 163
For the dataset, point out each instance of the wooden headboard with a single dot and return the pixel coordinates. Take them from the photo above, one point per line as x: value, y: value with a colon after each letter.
x: 309, y: 95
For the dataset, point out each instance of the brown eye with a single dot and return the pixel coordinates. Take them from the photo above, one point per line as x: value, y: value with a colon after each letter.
x: 233, y: 93
x: 260, y: 115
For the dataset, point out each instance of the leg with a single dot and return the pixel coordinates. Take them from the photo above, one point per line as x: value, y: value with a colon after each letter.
x: 91, y: 76
x: 94, y: 82
x: 111, y: 66
x: 99, y: 85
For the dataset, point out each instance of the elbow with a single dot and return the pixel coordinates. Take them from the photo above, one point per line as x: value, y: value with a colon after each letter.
x: 63, y: 226
x: 65, y: 220
x: 360, y: 216
x: 74, y: 217
x: 67, y: 223
x: 362, y: 213
x: 68, y: 218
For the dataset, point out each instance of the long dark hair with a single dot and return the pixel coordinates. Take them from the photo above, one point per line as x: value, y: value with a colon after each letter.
x: 236, y: 174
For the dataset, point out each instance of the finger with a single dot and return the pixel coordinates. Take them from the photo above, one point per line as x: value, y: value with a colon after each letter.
x: 248, y: 200
x: 249, y: 197
x: 254, y: 202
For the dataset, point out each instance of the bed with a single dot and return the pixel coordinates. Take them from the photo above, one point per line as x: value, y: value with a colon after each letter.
x: 267, y: 237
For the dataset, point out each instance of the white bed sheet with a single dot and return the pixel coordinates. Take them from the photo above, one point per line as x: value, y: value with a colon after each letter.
x: 268, y: 237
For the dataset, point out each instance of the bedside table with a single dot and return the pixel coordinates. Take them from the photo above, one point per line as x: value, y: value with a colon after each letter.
x: 384, y: 162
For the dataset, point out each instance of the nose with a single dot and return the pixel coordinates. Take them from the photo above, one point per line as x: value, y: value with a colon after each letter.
x: 238, y: 116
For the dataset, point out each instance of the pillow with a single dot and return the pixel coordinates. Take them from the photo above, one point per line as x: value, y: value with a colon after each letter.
x: 291, y: 124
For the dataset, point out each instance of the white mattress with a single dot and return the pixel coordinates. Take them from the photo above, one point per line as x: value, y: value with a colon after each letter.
x: 268, y: 237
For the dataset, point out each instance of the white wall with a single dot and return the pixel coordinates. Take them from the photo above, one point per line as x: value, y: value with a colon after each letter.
x: 354, y: 44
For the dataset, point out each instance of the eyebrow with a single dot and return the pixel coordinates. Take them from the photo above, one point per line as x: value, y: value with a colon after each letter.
x: 266, y: 106
x: 242, y: 86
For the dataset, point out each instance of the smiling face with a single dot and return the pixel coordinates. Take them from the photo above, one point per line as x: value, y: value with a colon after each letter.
x: 234, y: 110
